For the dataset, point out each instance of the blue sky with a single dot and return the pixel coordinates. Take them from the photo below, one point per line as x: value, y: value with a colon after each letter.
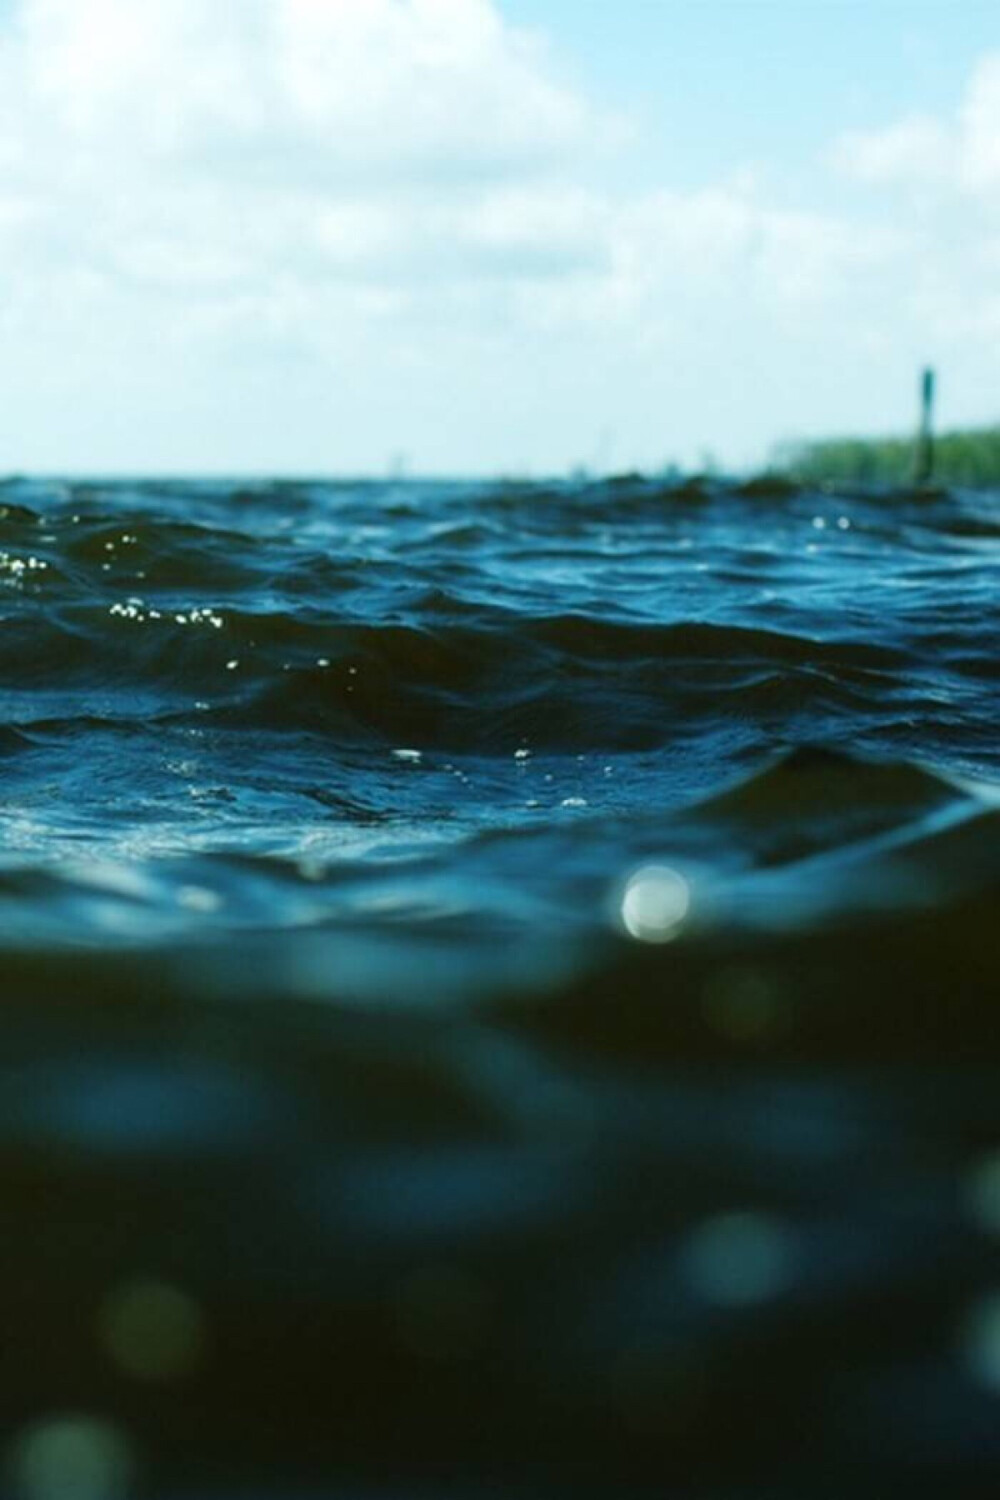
x: 488, y: 236
x: 717, y: 82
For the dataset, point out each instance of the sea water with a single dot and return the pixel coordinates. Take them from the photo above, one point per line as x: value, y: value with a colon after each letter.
x: 501, y: 988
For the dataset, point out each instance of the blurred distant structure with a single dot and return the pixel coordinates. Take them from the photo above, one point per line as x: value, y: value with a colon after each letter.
x: 969, y: 457
x: 923, y: 468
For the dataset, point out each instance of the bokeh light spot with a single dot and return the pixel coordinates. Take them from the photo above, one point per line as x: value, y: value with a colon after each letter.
x: 655, y: 904
x: 659, y: 1391
x: 199, y: 898
x: 982, y: 1193
x: 738, y: 1259
x: 71, y: 1458
x: 442, y: 1312
x: 743, y: 1005
x: 153, y: 1331
x: 981, y: 1342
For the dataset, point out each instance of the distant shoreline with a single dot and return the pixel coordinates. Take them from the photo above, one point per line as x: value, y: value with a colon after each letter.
x: 967, y: 457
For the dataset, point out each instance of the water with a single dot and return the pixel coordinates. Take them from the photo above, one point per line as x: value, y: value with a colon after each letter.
x: 500, y: 989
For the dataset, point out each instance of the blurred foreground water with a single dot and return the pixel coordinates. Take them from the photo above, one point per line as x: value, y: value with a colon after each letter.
x: 500, y: 991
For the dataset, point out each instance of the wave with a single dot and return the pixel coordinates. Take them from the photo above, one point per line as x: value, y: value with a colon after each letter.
x: 812, y: 839
x: 488, y: 678
x: 513, y: 964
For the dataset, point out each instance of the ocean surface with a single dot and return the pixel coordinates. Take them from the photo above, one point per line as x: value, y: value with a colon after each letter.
x: 501, y: 990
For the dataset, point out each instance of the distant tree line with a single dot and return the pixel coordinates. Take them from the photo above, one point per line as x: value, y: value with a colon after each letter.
x: 964, y: 458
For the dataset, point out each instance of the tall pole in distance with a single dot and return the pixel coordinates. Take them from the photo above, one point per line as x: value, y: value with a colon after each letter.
x: 923, y: 468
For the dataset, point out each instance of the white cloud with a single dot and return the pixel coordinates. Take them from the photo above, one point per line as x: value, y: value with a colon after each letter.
x: 188, y: 144
x: 938, y: 180
x: 959, y: 154
x: 219, y: 223
x: 329, y: 86
x: 980, y: 125
x: 918, y: 150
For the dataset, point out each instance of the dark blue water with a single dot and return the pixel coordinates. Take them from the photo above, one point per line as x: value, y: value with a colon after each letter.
x: 501, y: 989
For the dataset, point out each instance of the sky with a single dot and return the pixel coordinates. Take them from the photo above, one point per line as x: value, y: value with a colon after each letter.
x: 489, y: 236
